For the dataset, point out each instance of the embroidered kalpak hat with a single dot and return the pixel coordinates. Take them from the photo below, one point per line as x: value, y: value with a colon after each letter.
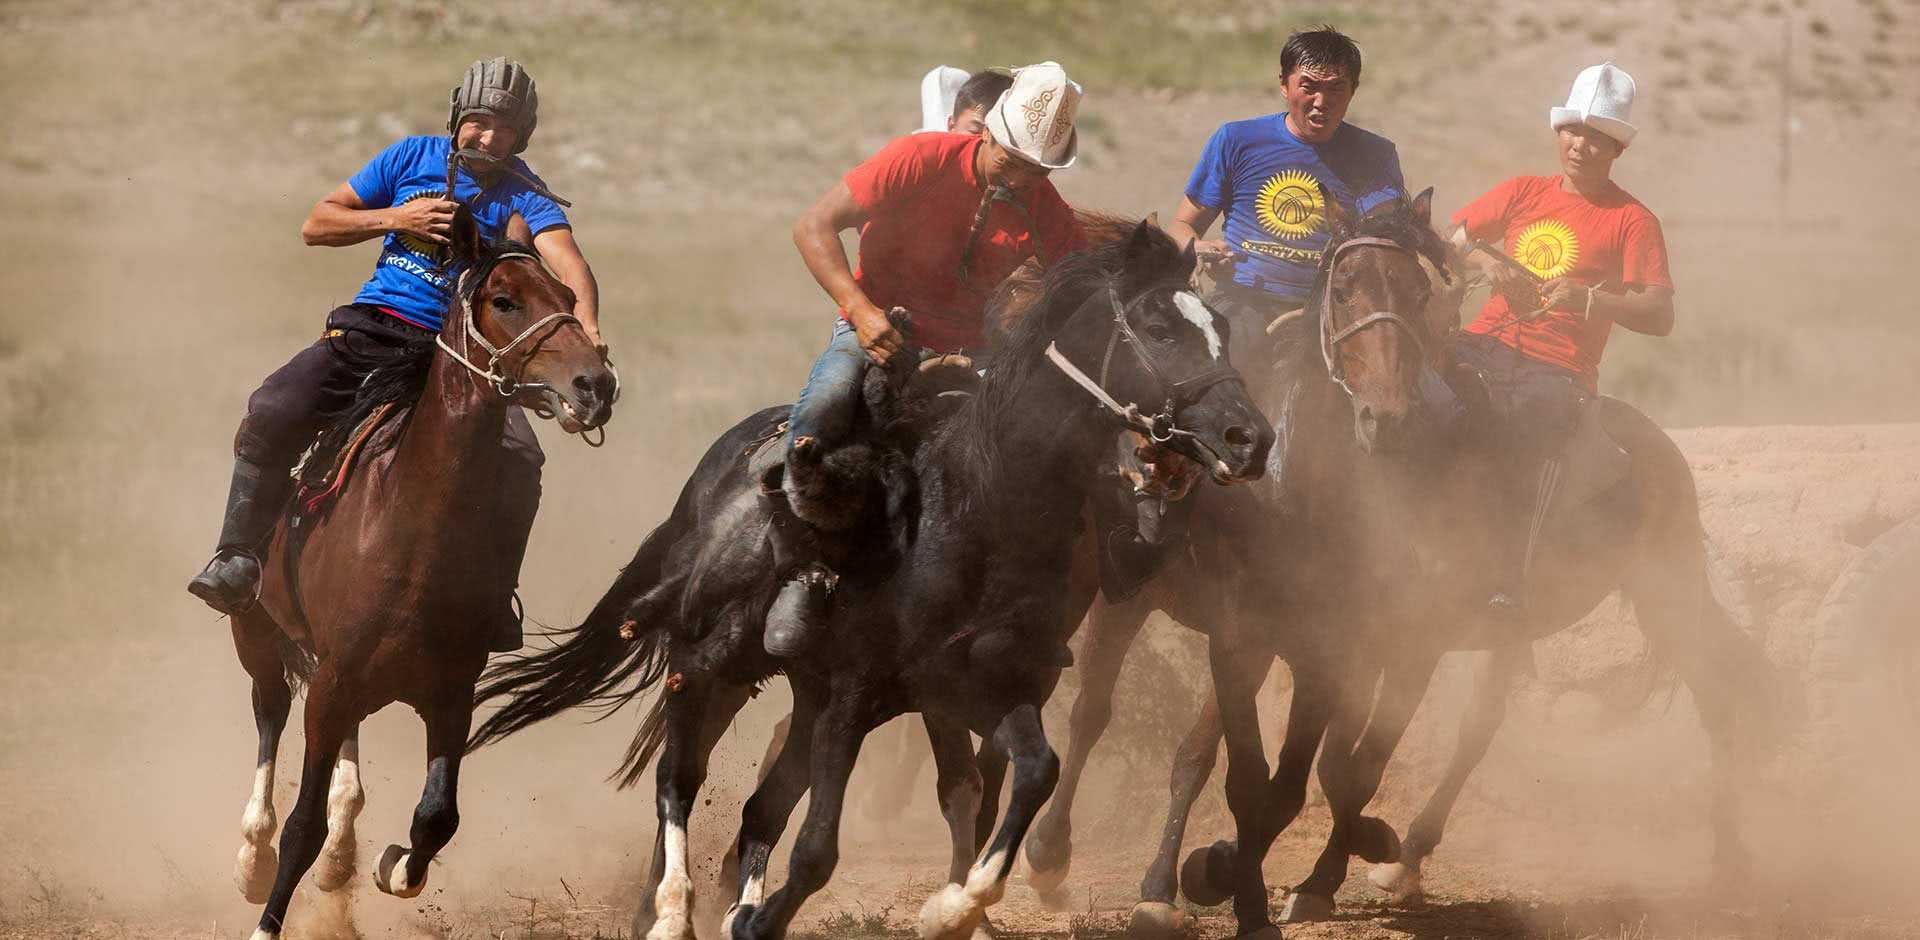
x: 1034, y: 118
x: 1602, y: 98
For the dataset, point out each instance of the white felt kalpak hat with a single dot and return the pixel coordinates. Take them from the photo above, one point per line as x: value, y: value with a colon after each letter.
x: 1034, y: 118
x: 1602, y: 98
x: 938, y: 90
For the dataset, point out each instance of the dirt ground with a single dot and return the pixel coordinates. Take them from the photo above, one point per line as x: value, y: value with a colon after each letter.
x: 160, y: 159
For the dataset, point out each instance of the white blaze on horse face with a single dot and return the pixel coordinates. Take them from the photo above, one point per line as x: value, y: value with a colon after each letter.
x: 1196, y: 312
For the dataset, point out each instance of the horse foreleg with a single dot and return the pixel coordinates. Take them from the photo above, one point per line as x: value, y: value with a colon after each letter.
x: 1486, y: 710
x: 957, y: 785
x: 763, y: 820
x: 1110, y: 632
x: 253, y: 870
x: 402, y: 871
x: 1262, y: 807
x: 1156, y: 915
x: 1350, y: 775
x: 837, y: 734
x: 956, y: 910
x: 329, y: 718
x: 345, y: 797
x: 992, y: 764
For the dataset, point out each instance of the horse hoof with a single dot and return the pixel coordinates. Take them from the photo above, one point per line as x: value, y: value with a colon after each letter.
x: 391, y: 874
x: 254, y: 870
x: 1205, y: 873
x: 1047, y: 883
x: 1153, y: 920
x: 260, y: 933
x: 1306, y: 908
x: 1400, y: 881
x: 949, y: 915
x: 1375, y: 841
x: 1058, y: 900
x: 734, y: 912
x: 1269, y: 932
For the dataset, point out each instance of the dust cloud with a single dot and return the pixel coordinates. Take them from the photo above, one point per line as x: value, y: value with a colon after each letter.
x: 158, y: 168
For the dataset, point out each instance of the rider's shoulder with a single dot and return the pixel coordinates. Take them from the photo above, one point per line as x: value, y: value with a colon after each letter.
x: 1359, y: 138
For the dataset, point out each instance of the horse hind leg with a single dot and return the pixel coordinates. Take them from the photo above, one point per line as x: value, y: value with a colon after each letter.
x: 955, y: 912
x: 1156, y: 915
x: 1403, y: 881
x: 696, y: 717
x: 254, y: 868
x: 345, y: 797
x: 763, y: 820
x: 402, y: 871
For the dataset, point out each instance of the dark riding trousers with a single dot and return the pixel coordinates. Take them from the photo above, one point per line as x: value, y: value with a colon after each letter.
x: 1532, y: 406
x: 294, y: 403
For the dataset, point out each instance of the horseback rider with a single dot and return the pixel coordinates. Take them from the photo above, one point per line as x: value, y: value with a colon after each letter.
x: 956, y: 103
x: 401, y: 197
x: 1273, y: 178
x: 1569, y: 256
x: 943, y: 219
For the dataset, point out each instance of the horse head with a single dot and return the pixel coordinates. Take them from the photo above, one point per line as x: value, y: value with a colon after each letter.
x: 1379, y: 328
x: 1159, y: 355
x: 513, y: 326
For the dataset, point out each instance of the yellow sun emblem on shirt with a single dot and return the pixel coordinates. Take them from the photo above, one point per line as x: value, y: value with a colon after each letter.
x: 1548, y: 248
x: 1291, y: 205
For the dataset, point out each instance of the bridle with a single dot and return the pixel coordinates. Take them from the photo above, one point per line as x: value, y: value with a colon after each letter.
x: 1330, y: 338
x: 1160, y: 427
x: 507, y: 385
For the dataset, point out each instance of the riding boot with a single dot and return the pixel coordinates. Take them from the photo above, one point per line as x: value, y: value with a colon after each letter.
x: 799, y: 611
x: 230, y: 583
x: 520, y: 487
x: 1511, y: 603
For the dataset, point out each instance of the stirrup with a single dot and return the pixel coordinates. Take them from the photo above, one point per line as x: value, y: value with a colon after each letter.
x: 207, y: 585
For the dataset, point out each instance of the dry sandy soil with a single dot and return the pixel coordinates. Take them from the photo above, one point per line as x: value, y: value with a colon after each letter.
x: 160, y: 158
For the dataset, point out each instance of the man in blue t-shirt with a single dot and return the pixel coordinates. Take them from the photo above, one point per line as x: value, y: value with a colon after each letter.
x: 401, y: 198
x: 1274, y: 176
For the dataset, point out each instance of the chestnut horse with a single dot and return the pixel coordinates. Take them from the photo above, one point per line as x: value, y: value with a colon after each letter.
x: 387, y: 595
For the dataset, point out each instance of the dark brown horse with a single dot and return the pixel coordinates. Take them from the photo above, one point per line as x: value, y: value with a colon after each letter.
x: 1367, y: 554
x: 387, y: 595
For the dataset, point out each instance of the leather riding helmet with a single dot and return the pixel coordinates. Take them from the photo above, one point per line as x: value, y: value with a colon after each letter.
x: 500, y: 87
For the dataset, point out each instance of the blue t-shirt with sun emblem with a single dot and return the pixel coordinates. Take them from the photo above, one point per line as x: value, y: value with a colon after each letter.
x: 411, y: 279
x: 1273, y: 188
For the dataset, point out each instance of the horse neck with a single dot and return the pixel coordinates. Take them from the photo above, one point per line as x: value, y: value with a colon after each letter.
x: 1049, y: 444
x: 457, y: 423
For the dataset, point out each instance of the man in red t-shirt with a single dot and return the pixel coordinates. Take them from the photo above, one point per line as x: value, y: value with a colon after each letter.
x: 1578, y: 255
x: 943, y: 219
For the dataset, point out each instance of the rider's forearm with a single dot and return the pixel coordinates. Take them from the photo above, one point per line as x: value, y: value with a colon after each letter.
x: 1182, y: 233
x: 826, y: 260
x: 578, y: 276
x: 335, y: 225
x: 1648, y: 311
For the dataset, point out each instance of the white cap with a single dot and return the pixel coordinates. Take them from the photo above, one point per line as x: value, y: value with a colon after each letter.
x: 1034, y: 118
x: 1602, y: 98
x: 938, y: 90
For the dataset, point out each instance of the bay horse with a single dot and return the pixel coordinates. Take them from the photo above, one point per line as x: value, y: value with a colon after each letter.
x: 958, y: 607
x: 1359, y: 561
x: 387, y: 595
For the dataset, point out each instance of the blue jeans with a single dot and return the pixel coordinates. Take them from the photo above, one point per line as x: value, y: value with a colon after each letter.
x: 826, y: 407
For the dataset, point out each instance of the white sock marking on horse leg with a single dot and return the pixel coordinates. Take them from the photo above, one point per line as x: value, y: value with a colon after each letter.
x: 753, y: 893
x: 955, y: 910
x: 673, y: 900
x: 1196, y: 312
x: 345, y: 797
x: 254, y: 869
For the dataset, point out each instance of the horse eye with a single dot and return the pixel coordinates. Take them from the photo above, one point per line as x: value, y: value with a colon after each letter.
x: 502, y: 303
x: 1159, y: 333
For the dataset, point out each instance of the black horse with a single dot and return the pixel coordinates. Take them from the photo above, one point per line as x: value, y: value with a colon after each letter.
x: 1363, y: 558
x: 957, y: 606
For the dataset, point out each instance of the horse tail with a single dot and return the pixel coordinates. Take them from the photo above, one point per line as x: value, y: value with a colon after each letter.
x: 646, y: 742
x: 603, y: 663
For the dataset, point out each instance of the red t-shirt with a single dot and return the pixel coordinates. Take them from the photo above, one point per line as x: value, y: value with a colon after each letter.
x: 1609, y: 243
x: 920, y: 193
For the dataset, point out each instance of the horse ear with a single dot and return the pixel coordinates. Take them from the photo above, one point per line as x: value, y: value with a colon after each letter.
x: 1189, y: 260
x: 464, y: 234
x: 1423, y: 206
x: 1153, y: 218
x: 1140, y: 247
x: 1341, y: 221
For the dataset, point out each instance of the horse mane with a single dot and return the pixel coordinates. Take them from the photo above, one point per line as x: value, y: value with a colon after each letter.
x: 1062, y: 290
x: 397, y: 376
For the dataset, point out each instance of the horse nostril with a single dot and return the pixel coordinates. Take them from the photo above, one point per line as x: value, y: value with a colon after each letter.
x: 1240, y: 436
x: 584, y: 386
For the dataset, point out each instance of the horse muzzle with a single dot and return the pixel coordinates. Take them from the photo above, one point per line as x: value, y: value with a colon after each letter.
x: 585, y: 403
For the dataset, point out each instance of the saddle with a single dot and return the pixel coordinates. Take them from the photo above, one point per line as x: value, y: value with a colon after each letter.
x: 321, y: 476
